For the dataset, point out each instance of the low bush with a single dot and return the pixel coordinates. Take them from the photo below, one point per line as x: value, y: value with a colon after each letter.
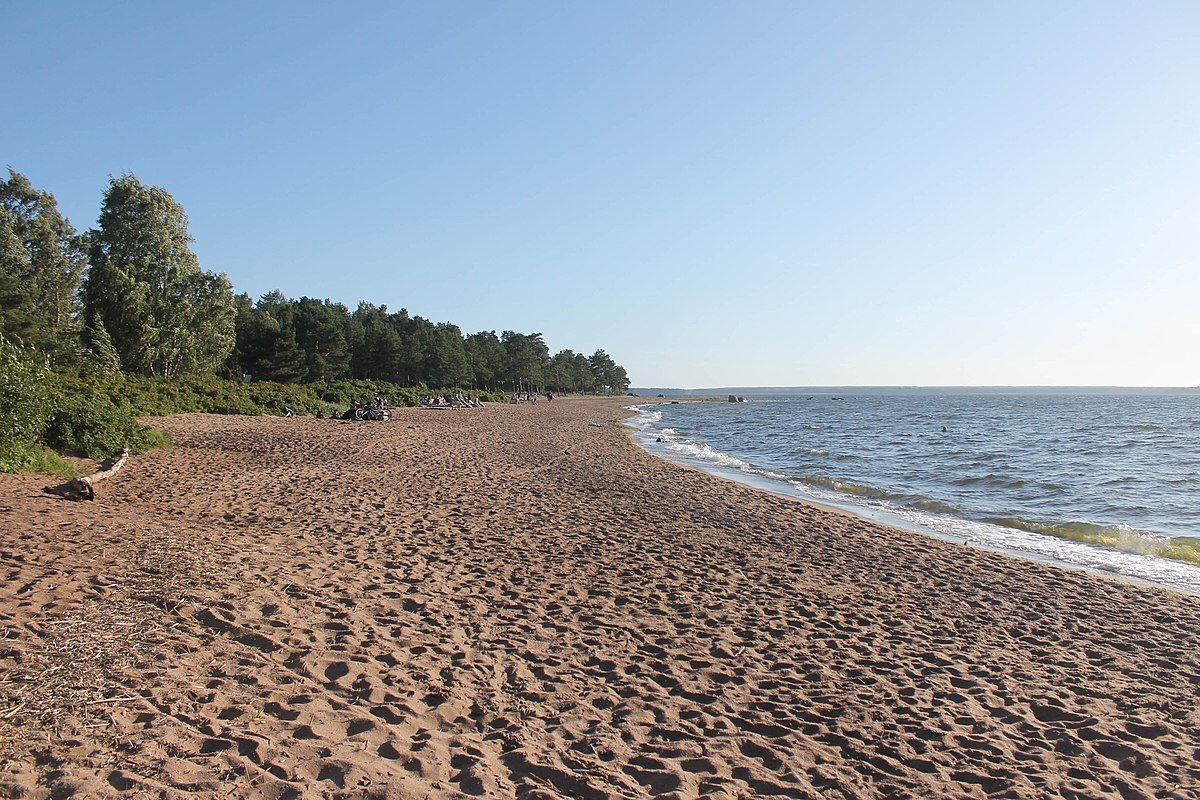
x: 95, y: 415
x: 97, y: 429
x: 24, y: 388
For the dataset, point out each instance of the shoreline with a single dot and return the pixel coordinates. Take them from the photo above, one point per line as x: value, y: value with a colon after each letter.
x: 1160, y: 572
x: 521, y: 601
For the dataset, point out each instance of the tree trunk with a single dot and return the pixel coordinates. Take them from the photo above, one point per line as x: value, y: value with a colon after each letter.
x: 85, y: 488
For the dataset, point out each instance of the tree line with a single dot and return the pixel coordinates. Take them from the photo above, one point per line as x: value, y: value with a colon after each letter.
x: 130, y: 297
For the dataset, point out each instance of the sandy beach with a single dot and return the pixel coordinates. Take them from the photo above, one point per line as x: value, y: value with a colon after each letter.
x: 519, y: 602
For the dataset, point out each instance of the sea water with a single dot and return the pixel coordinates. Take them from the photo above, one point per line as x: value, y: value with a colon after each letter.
x: 1103, y: 480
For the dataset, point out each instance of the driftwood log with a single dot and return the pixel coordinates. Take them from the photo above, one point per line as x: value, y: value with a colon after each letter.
x: 85, y: 488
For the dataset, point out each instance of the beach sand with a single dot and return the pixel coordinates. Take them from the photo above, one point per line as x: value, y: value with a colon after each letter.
x: 519, y: 602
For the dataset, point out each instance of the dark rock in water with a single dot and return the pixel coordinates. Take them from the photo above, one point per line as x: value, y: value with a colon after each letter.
x: 733, y: 398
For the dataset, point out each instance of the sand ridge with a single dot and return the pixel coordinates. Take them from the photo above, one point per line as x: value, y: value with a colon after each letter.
x: 519, y: 602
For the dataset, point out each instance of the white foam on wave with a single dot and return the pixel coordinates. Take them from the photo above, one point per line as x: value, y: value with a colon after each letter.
x: 1139, y: 566
x: 647, y: 417
x: 702, y: 452
x: 1064, y: 552
x: 668, y: 441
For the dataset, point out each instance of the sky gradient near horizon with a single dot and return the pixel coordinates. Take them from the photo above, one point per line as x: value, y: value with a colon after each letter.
x: 718, y: 194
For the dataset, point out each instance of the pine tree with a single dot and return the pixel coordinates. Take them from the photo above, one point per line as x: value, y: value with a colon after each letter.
x: 103, y: 358
x: 42, y: 260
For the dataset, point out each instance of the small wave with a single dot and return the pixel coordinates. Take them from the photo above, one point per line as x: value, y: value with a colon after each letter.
x: 845, y: 487
x: 1124, y: 480
x: 646, y: 417
x: 1182, y: 548
x: 1118, y: 537
x: 817, y: 452
x: 933, y: 506
x: 991, y: 479
x: 706, y: 453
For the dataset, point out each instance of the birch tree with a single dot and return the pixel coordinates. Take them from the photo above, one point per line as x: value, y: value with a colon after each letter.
x: 163, y: 313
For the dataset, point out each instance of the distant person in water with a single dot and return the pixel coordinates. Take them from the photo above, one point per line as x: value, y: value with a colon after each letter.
x: 943, y: 429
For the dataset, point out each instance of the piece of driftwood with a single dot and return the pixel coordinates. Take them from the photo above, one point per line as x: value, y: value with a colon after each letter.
x: 85, y: 488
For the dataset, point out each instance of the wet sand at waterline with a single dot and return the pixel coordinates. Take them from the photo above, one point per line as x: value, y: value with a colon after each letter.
x: 519, y: 602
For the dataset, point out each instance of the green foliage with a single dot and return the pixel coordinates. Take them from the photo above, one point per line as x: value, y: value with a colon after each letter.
x: 609, y: 375
x: 152, y: 312
x: 37, y: 459
x: 165, y: 316
x: 527, y: 356
x: 24, y: 389
x: 448, y: 364
x: 102, y: 358
x: 41, y: 266
x: 320, y: 330
x: 147, y: 397
x: 96, y: 429
x: 321, y: 342
x: 486, y: 358
x: 17, y: 456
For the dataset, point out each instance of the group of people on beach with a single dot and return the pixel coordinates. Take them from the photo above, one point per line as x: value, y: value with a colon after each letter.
x: 378, y: 409
x: 529, y: 398
x: 458, y: 400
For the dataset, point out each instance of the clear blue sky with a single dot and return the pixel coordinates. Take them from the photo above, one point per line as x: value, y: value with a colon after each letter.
x: 717, y: 193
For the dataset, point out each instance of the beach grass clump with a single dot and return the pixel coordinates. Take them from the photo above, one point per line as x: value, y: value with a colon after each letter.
x: 38, y: 459
x: 44, y: 461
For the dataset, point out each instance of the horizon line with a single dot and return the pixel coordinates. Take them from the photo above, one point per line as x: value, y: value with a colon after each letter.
x: 926, y: 386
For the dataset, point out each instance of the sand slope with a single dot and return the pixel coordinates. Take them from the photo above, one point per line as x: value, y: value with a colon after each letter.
x: 517, y: 602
